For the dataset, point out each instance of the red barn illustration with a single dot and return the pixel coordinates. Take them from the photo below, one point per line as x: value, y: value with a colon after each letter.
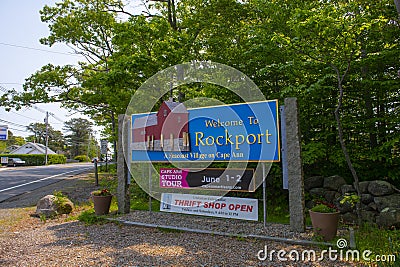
x: 168, y: 129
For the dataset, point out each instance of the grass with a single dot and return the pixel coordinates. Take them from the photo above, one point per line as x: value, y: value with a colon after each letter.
x: 276, y: 214
x: 89, y: 218
x: 13, y: 218
x: 79, y: 209
x: 379, y: 241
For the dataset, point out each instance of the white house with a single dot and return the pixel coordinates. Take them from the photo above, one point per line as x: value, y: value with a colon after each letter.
x: 12, y: 147
x: 32, y: 148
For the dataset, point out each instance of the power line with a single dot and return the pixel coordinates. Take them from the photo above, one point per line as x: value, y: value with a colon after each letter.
x: 25, y: 131
x: 3, y: 89
x: 39, y: 49
x: 39, y: 109
x: 50, y: 113
x: 13, y: 123
x: 55, y: 117
x: 13, y: 83
x: 25, y: 116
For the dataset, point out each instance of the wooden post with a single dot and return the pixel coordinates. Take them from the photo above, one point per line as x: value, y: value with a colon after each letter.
x: 96, y: 173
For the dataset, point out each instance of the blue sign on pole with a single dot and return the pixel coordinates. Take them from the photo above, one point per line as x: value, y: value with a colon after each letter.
x: 3, y: 132
x: 245, y: 132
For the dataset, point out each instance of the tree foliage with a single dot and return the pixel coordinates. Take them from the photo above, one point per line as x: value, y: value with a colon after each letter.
x: 328, y: 54
x: 56, y: 140
x: 79, y: 139
x: 12, y: 140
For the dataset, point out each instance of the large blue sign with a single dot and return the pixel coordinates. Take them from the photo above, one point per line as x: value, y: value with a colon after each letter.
x: 246, y: 132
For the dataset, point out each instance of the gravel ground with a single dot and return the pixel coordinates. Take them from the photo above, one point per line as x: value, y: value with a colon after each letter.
x: 28, y: 241
x: 236, y: 227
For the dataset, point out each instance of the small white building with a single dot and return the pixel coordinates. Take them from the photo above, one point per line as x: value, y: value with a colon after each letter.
x: 32, y: 148
x: 12, y: 147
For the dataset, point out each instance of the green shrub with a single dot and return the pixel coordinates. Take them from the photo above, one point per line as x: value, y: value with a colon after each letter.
x: 111, y: 168
x: 89, y: 218
x: 322, y: 208
x: 38, y: 159
x: 82, y: 158
x: 56, y: 159
x: 64, y: 206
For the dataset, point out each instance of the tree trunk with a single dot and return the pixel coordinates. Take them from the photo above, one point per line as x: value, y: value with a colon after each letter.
x: 172, y: 14
x: 340, y: 79
x: 397, y: 3
x: 369, y: 109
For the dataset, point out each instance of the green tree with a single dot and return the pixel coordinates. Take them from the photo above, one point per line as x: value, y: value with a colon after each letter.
x: 87, y: 27
x: 39, y: 132
x: 328, y: 54
x: 56, y: 140
x: 12, y: 140
x: 341, y: 34
x: 15, y: 139
x: 79, y: 137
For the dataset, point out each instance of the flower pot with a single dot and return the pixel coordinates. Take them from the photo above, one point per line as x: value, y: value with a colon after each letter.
x: 101, y: 204
x: 325, y: 224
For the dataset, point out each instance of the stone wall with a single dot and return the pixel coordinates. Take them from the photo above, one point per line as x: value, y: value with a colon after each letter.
x: 380, y: 200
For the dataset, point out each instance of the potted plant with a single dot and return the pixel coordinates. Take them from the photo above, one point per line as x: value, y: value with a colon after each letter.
x: 325, y: 219
x: 102, y: 201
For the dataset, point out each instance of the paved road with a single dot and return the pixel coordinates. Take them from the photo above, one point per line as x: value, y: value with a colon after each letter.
x: 19, y: 180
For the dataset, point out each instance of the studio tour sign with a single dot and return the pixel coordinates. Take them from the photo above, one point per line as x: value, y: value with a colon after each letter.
x: 209, y: 178
x: 246, y: 132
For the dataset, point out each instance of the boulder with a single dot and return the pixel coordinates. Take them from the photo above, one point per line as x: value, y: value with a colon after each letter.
x: 317, y: 192
x: 373, y: 206
x: 391, y: 201
x: 334, y: 182
x: 50, y: 206
x: 343, y: 208
x: 66, y: 206
x: 389, y: 217
x: 347, y: 188
x: 380, y: 188
x: 46, y: 206
x: 363, y: 187
x: 368, y: 216
x: 366, y: 198
x: 349, y: 217
x: 330, y: 196
x: 313, y: 182
x: 367, y: 207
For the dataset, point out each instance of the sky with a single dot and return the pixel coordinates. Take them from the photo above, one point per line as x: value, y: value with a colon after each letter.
x: 21, y: 55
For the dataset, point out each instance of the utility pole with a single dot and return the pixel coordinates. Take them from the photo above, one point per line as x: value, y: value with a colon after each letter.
x: 46, y: 120
x: 88, y: 147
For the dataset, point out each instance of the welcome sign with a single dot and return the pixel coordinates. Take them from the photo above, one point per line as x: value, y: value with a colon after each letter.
x: 239, y: 132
